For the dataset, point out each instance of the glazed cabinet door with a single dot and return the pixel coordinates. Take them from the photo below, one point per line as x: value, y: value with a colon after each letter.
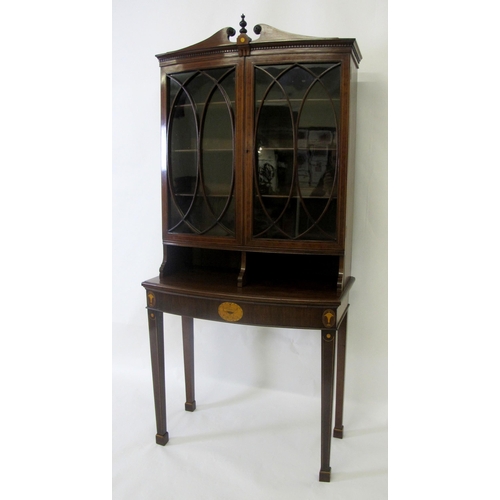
x: 200, y: 119
x: 296, y: 168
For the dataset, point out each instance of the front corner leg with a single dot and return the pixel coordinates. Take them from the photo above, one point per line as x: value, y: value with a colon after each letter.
x: 338, y: 429
x: 156, y: 343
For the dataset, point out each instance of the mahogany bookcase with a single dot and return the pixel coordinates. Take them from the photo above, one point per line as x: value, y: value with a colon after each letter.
x: 257, y: 198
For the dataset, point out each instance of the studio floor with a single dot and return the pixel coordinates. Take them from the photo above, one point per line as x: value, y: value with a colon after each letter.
x: 241, y: 443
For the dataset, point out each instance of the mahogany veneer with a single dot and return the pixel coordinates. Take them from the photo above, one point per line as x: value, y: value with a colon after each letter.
x: 257, y: 193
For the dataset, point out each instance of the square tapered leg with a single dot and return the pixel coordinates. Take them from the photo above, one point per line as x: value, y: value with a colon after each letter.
x: 338, y: 430
x: 156, y: 343
x: 188, y: 346
x: 327, y: 377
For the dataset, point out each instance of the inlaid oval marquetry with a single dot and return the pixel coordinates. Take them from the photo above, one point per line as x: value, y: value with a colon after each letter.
x: 229, y: 311
x: 328, y: 337
x: 329, y: 318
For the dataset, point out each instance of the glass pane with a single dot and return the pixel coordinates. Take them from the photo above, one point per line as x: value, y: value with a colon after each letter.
x: 217, y: 146
x: 296, y: 81
x: 183, y: 131
x: 297, y: 112
x: 200, y: 162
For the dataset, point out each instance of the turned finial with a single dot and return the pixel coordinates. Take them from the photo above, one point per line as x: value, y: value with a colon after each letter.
x: 243, y: 24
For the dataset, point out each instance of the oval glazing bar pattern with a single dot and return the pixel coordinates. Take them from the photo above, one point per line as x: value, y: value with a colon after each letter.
x: 296, y: 162
x: 200, y: 159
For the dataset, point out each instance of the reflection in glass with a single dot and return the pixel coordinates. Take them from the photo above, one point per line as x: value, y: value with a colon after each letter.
x: 296, y: 115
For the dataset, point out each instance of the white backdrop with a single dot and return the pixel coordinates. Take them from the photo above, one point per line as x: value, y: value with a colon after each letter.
x: 255, y: 431
x: 271, y: 359
x: 143, y: 29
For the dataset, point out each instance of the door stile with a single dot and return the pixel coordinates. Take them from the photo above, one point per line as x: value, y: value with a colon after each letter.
x: 239, y: 153
x: 248, y: 149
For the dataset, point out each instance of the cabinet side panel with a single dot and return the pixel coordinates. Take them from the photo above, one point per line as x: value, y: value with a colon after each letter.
x: 350, y: 171
x: 163, y: 143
